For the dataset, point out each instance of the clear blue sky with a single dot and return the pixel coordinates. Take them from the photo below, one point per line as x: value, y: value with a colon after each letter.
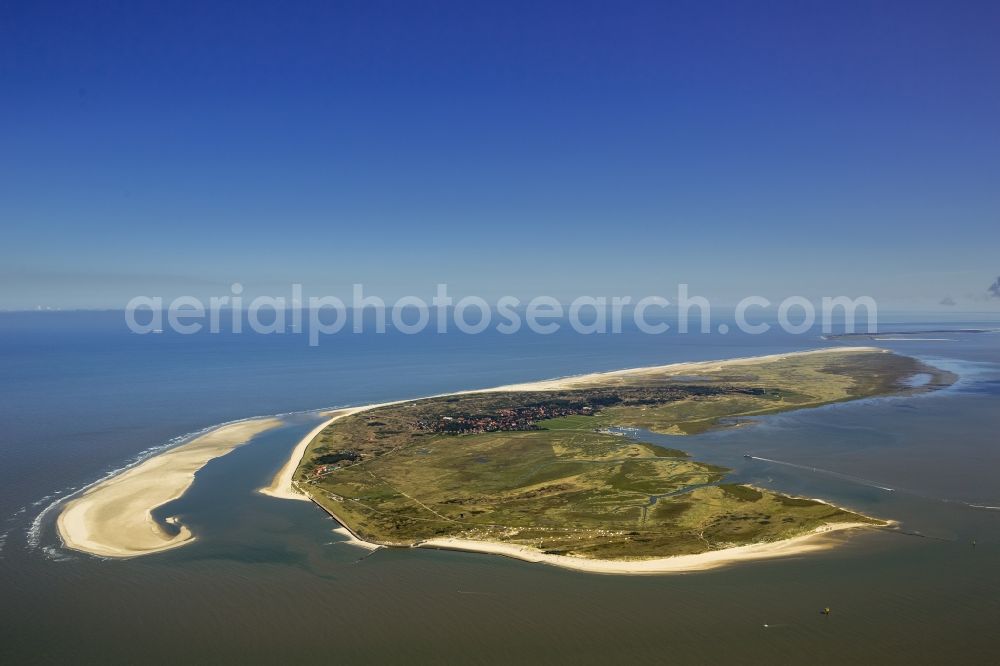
x: 504, y: 147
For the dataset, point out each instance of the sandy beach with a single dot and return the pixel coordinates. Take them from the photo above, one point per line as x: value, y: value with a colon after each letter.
x: 113, y: 518
x: 812, y: 542
x: 281, y: 485
x: 690, y: 367
x: 353, y: 540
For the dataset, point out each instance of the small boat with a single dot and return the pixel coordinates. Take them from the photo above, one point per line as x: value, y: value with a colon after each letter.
x: 747, y: 456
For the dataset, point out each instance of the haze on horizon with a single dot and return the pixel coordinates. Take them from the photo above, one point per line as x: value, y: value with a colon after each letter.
x: 795, y: 148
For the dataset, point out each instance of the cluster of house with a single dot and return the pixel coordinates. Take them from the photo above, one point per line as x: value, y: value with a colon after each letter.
x: 332, y: 461
x: 507, y: 419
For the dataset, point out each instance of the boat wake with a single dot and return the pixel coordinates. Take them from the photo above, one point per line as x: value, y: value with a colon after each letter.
x: 847, y: 477
x: 872, y: 484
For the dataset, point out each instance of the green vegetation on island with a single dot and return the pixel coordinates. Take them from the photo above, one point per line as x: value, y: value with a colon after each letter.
x: 551, y: 469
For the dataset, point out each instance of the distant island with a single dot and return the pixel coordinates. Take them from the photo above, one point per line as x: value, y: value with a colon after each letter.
x: 542, y: 471
x: 916, y: 336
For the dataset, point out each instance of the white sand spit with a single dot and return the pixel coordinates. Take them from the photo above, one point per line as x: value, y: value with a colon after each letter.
x: 113, y: 518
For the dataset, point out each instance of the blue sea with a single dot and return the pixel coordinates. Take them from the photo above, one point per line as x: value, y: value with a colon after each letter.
x: 268, y: 581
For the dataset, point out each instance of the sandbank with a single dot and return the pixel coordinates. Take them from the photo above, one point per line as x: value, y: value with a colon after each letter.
x: 113, y: 518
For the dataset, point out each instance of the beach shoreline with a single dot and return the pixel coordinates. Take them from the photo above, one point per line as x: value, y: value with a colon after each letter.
x: 282, y: 485
x: 579, y: 381
x: 350, y: 536
x: 113, y: 517
x: 811, y: 542
x: 814, y: 541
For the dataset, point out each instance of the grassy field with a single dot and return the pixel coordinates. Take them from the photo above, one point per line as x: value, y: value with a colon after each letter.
x: 499, y: 467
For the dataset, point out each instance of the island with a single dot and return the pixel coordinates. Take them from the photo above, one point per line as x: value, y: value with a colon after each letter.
x: 554, y: 471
